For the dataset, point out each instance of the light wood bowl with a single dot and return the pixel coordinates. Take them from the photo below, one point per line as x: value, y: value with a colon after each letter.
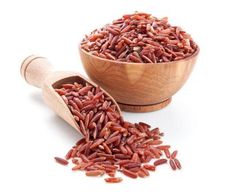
x: 139, y: 87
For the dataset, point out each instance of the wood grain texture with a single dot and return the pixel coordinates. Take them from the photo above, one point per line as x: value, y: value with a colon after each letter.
x: 37, y: 71
x: 34, y: 69
x: 138, y: 84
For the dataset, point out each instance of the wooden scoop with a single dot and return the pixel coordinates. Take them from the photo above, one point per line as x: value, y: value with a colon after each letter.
x: 38, y: 72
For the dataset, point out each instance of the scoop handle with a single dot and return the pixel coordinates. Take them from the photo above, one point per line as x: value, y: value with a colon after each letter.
x: 34, y: 69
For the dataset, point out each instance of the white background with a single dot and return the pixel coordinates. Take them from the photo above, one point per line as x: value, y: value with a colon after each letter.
x: 200, y: 121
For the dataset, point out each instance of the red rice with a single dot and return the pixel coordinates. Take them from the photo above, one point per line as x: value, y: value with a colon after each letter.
x: 160, y: 162
x: 149, y: 167
x: 172, y: 164
x: 177, y: 163
x: 111, y: 144
x: 61, y: 161
x: 113, y: 180
x: 139, y: 38
x: 173, y: 154
x: 95, y: 173
x: 129, y: 173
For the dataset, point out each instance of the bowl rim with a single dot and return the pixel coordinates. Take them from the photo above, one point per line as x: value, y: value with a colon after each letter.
x: 196, y: 52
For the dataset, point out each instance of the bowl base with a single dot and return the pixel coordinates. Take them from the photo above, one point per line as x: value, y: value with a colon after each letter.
x: 144, y: 108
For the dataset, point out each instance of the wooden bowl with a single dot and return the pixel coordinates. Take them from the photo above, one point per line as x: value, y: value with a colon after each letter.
x: 139, y: 87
